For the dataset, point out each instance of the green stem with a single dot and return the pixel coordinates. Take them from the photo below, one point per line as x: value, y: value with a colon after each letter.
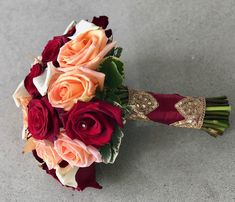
x: 223, y: 124
x: 219, y: 108
x: 216, y: 104
x: 220, y: 113
x: 213, y: 132
x: 217, y: 98
x: 216, y: 117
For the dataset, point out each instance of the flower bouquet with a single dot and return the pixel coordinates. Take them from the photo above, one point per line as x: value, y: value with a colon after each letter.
x: 75, y: 105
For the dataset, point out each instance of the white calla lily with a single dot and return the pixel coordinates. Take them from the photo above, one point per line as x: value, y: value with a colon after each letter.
x: 67, y: 175
x: 42, y: 82
x: 19, y: 93
x: 82, y: 27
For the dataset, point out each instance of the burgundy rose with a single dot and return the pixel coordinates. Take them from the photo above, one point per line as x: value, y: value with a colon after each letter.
x: 43, y: 121
x: 102, y: 21
x: 71, y: 31
x: 86, y: 177
x: 52, y: 49
x: 35, y: 71
x: 92, y: 122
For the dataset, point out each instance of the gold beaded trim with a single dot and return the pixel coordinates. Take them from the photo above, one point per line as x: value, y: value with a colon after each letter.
x: 141, y: 103
x: 193, y: 111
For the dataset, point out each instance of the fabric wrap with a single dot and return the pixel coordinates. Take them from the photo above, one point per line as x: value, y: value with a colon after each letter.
x: 166, y: 112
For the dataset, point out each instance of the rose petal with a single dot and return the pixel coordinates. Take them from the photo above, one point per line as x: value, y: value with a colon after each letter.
x: 42, y: 82
x: 52, y: 48
x: 95, y: 62
x: 98, y: 75
x: 101, y: 21
x: 82, y: 27
x: 86, y: 177
x: 67, y: 175
x: 35, y: 71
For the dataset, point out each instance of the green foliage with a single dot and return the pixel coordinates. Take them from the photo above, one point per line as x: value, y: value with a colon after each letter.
x: 110, y: 151
x: 113, y: 69
x: 116, y: 52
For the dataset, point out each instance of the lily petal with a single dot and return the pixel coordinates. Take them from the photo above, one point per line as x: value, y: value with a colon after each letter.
x: 82, y: 27
x: 19, y: 93
x: 42, y: 82
x: 67, y: 175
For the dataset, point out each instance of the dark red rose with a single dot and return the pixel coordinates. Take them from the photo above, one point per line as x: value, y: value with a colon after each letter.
x: 102, y: 21
x: 86, y: 177
x: 43, y: 121
x: 35, y: 71
x: 71, y: 31
x: 51, y: 50
x: 108, y: 33
x: 92, y: 122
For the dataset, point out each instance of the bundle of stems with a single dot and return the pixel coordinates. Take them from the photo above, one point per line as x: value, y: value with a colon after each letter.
x: 217, y: 113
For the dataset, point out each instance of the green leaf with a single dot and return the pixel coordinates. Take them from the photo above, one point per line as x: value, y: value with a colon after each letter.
x: 100, y: 94
x: 110, y: 151
x: 106, y: 153
x: 117, y: 52
x: 112, y: 67
x: 112, y: 97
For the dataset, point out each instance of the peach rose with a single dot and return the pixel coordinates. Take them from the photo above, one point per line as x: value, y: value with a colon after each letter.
x: 75, y: 152
x: 86, y: 50
x: 69, y: 87
x: 47, y: 153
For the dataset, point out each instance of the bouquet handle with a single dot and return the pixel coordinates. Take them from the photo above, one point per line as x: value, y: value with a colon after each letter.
x: 208, y: 114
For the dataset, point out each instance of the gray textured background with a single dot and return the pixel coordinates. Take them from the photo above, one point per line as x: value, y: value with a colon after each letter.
x: 183, y: 46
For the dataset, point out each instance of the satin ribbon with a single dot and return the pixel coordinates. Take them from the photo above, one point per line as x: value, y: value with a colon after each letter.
x: 166, y: 112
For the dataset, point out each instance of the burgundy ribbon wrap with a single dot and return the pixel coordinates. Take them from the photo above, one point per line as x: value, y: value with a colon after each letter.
x: 166, y: 112
x: 170, y: 109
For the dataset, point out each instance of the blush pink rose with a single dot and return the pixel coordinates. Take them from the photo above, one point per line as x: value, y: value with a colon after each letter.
x: 75, y: 152
x: 45, y: 150
x: 86, y: 50
x: 69, y: 87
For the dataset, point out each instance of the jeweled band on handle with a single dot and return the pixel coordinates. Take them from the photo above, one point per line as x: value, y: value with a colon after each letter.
x: 209, y: 114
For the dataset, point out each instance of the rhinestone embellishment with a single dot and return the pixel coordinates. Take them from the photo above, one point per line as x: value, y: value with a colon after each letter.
x: 141, y: 104
x: 193, y: 111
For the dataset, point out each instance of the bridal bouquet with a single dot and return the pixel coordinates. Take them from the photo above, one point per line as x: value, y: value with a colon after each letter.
x: 75, y: 105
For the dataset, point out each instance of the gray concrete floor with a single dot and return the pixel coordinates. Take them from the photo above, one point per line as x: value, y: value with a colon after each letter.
x: 182, y: 46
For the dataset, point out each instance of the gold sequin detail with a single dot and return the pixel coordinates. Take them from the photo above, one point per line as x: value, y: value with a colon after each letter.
x: 141, y: 103
x: 193, y: 111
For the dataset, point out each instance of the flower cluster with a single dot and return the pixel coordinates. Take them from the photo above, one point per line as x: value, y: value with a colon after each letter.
x: 72, y: 108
